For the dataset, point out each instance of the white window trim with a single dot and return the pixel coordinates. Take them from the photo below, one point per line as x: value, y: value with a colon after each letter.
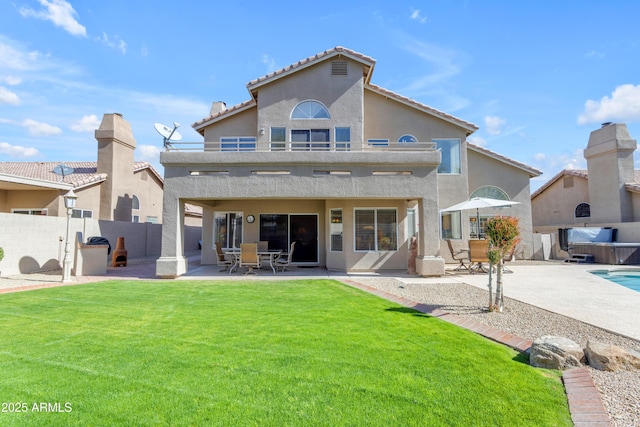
x: 309, y: 118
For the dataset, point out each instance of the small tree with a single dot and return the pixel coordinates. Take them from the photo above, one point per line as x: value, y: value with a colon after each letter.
x: 1, y: 254
x: 504, y: 235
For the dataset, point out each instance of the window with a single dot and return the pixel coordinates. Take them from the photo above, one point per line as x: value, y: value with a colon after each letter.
x: 378, y: 142
x: 583, y: 210
x: 152, y: 219
x: 490, y: 192
x: 451, y: 225
x: 407, y: 138
x: 234, y: 143
x: 278, y: 138
x: 81, y: 213
x: 310, y: 110
x: 376, y: 230
x: 450, y: 149
x: 343, y: 138
x: 335, y: 229
x: 227, y: 229
x: 307, y: 139
x: 30, y: 211
x: 135, y: 206
x: 412, y: 228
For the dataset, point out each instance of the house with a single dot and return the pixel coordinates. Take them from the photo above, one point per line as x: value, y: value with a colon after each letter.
x: 350, y: 171
x: 606, y: 194
x: 115, y: 188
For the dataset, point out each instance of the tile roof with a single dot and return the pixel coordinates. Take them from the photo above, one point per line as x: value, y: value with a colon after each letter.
x: 532, y: 171
x: 84, y: 173
x: 227, y: 112
x: 582, y: 173
x: 321, y: 56
x: 338, y: 50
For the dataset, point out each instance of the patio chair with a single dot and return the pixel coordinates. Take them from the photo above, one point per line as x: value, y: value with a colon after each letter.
x: 225, y: 261
x: 284, y: 260
x: 478, y: 255
x: 249, y: 257
x: 460, y: 255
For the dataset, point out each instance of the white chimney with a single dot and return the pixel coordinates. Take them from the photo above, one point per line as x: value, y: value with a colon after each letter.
x: 218, y: 107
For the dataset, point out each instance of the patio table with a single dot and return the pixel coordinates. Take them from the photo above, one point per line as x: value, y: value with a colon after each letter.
x: 273, y: 255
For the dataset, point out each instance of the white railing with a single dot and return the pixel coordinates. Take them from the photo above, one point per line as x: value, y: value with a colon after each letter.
x: 298, y: 146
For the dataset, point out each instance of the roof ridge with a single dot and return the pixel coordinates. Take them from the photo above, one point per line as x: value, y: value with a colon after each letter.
x: 309, y: 59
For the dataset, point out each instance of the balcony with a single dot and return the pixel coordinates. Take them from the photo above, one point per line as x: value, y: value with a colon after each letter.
x: 267, y: 146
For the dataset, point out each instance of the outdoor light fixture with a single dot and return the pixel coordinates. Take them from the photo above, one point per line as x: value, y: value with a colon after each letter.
x: 69, y: 202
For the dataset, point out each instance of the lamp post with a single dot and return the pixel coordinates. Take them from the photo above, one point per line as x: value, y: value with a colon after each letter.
x: 69, y: 202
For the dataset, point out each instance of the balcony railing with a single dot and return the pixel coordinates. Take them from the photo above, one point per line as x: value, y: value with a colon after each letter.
x: 299, y: 146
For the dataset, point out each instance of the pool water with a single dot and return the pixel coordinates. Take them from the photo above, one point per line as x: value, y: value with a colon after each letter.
x: 626, y: 277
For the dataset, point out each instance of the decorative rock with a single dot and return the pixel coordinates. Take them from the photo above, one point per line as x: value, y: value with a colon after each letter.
x: 609, y: 357
x: 552, y: 352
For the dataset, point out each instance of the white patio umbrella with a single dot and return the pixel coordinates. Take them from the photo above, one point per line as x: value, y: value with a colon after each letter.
x: 478, y: 203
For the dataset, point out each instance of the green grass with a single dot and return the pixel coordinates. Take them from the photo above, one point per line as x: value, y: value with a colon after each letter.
x: 312, y: 352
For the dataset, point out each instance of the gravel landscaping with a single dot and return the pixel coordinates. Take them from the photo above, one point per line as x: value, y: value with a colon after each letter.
x: 620, y: 390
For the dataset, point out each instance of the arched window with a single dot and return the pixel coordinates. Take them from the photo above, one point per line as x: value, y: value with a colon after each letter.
x: 490, y: 192
x: 583, y: 210
x: 310, y: 110
x: 135, y: 202
x: 407, y: 138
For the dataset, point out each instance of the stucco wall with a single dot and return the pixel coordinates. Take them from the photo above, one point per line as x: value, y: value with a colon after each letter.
x: 342, y: 95
x: 557, y: 203
x: 240, y: 124
x: 485, y: 170
x: 32, y: 243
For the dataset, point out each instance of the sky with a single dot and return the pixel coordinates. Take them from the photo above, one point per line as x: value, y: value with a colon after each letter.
x: 536, y: 77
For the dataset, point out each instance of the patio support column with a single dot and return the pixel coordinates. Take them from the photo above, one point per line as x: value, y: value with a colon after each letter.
x: 429, y: 261
x: 172, y: 262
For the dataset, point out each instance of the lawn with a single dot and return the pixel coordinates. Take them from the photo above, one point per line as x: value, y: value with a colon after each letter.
x: 308, y: 352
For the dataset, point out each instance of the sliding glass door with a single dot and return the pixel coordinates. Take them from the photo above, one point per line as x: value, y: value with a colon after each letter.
x: 280, y: 230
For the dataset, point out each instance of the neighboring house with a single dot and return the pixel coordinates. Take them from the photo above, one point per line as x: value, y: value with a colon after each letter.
x: 114, y: 188
x: 347, y: 170
x: 607, y: 194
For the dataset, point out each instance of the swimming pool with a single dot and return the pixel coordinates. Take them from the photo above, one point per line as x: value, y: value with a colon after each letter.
x: 627, y: 277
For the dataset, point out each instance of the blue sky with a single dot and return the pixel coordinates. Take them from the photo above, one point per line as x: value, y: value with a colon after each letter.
x: 536, y: 77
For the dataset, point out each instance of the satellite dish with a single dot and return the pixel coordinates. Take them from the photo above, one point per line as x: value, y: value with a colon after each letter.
x: 63, y: 170
x: 168, y: 134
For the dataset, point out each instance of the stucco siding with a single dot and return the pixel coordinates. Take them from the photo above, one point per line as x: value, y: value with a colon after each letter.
x: 557, y: 203
x: 389, y: 119
x: 243, y: 123
x: 485, y: 170
x: 342, y: 95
